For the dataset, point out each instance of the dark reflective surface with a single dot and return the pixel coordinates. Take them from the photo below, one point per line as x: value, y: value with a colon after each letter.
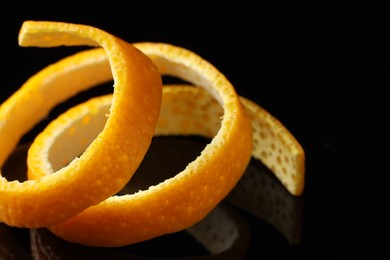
x: 223, y: 234
x: 261, y: 218
x: 323, y: 72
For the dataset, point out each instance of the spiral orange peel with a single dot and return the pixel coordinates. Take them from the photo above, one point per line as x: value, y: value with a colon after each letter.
x: 237, y: 127
x: 111, y: 159
x: 117, y: 221
x: 178, y: 202
x: 169, y: 206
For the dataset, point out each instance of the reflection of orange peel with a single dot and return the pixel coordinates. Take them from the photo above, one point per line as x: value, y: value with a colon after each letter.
x: 223, y: 233
x: 259, y: 193
x: 10, y: 246
x: 112, y: 158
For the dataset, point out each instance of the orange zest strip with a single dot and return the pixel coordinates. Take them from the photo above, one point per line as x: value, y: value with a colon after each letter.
x: 277, y: 148
x: 110, y: 159
x: 273, y: 143
x: 178, y: 202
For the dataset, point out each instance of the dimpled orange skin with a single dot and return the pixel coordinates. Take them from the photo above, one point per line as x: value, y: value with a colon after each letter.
x: 185, y: 199
x: 189, y: 112
x: 99, y: 172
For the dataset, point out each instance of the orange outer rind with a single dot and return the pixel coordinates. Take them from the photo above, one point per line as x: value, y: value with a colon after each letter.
x: 178, y: 202
x: 111, y: 159
x: 188, y: 112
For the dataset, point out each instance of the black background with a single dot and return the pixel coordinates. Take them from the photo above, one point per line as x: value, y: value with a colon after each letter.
x: 322, y: 71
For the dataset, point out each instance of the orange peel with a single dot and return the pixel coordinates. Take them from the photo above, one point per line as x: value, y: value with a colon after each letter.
x: 273, y: 143
x: 111, y: 159
x: 170, y: 206
x: 178, y: 202
x: 117, y: 221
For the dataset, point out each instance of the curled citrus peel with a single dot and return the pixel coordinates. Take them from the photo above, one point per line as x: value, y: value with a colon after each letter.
x: 194, y: 112
x: 178, y: 202
x: 111, y: 159
x: 184, y: 199
x: 180, y: 115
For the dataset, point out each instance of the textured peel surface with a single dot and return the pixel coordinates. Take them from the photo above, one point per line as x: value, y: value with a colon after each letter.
x: 191, y: 194
x: 56, y: 197
x: 85, y: 156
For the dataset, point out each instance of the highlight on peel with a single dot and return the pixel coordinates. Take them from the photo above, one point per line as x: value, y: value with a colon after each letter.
x: 112, y: 157
x: 178, y: 202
